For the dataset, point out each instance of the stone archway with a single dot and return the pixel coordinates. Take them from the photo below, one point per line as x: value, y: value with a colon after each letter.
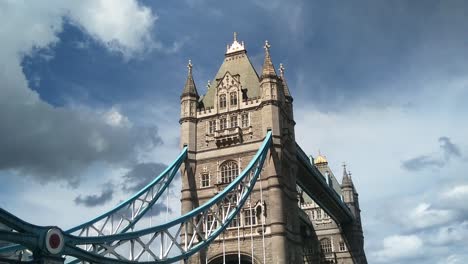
x: 232, y: 258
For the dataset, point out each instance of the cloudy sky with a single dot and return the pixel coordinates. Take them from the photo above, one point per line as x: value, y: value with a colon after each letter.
x: 89, y: 95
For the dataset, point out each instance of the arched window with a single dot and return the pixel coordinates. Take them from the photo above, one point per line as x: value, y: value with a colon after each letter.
x: 229, y: 171
x: 326, y: 245
x: 233, y: 97
x: 222, y: 101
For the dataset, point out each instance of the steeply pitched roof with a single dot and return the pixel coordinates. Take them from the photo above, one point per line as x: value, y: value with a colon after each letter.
x: 190, y: 88
x: 346, y: 181
x: 268, y: 69
x: 235, y: 63
x: 285, y: 85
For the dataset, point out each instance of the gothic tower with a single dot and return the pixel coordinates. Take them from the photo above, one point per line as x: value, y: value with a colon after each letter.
x: 223, y: 129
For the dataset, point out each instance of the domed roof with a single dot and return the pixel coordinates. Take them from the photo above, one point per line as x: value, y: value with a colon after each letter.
x: 320, y: 159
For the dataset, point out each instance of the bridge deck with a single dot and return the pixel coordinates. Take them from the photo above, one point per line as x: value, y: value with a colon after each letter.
x: 314, y: 184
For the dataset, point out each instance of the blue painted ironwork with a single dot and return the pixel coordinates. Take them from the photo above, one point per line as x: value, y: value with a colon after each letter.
x: 126, y: 215
x: 176, y: 240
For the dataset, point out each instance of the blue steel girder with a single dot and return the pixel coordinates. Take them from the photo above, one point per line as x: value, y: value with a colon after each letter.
x: 310, y: 179
x: 166, y: 243
x: 180, y: 238
x: 125, y: 215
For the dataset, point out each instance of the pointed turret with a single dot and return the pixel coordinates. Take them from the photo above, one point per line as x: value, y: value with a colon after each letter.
x: 347, y: 189
x: 268, y: 69
x: 355, y: 233
x: 190, y: 88
x: 286, y: 91
x: 270, y: 83
x: 188, y: 111
x: 346, y: 181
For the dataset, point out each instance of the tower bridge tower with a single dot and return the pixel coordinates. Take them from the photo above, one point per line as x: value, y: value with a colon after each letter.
x: 223, y: 129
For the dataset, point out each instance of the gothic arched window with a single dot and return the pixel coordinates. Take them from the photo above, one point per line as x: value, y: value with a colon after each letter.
x: 326, y: 245
x: 229, y: 170
x: 233, y: 97
x: 222, y: 101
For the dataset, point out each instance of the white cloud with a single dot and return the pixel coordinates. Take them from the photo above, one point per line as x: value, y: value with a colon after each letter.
x: 123, y: 26
x: 454, y: 259
x: 113, y: 117
x: 423, y: 216
x: 399, y: 247
x: 456, y: 192
x: 56, y: 141
x: 449, y: 234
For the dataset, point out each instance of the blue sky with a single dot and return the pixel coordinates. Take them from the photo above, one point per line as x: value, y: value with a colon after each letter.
x: 89, y: 98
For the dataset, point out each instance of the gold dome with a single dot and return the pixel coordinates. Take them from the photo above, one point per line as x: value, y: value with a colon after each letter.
x: 320, y: 160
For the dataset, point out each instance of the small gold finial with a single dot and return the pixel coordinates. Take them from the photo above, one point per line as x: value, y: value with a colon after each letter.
x: 189, y: 66
x: 267, y: 46
x: 235, y: 36
x: 281, y: 69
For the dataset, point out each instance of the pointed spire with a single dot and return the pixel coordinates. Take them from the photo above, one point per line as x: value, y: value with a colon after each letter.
x: 346, y: 181
x: 287, y: 94
x: 268, y: 68
x: 190, y: 88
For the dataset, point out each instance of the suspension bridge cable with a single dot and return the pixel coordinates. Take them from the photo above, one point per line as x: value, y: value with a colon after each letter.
x: 262, y: 216
x: 238, y: 233
x: 251, y: 228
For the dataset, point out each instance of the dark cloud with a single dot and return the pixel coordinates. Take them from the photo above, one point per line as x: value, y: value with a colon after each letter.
x: 140, y: 175
x: 58, y: 144
x: 448, y: 149
x: 422, y: 162
x: 96, y: 199
x: 158, y: 209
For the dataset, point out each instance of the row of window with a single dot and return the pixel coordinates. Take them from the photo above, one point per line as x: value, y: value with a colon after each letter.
x: 222, y: 123
x: 246, y: 218
x: 317, y: 213
x: 327, y: 247
x: 228, y: 170
x: 223, y: 100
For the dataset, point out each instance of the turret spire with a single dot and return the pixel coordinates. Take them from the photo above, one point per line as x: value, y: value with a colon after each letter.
x: 287, y: 94
x: 268, y: 69
x: 190, y: 88
x: 189, y: 67
x: 346, y: 177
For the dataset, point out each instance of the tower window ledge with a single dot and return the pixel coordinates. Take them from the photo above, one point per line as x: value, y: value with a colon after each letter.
x: 228, y: 136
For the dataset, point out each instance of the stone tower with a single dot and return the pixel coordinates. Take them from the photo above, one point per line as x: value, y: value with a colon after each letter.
x: 223, y: 130
x: 335, y: 243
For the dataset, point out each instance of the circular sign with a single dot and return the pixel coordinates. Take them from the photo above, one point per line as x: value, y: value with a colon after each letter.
x: 54, y: 241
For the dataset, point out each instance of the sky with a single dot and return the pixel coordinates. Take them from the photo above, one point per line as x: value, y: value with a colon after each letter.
x: 89, y: 104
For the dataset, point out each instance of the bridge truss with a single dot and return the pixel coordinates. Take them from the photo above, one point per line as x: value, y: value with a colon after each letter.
x: 119, y: 236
